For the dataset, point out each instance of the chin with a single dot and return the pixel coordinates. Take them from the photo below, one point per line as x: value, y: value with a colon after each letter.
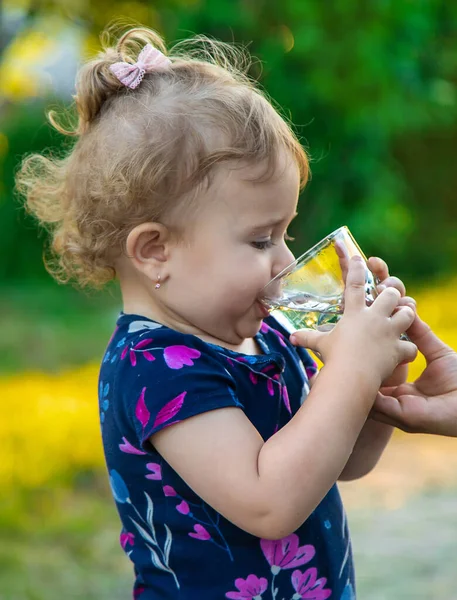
x: 253, y: 329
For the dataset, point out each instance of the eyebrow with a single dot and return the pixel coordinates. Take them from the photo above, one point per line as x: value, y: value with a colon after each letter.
x: 270, y: 224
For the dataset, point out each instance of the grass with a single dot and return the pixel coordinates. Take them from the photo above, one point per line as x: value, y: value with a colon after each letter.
x: 64, y: 546
x: 403, y: 521
x: 49, y: 327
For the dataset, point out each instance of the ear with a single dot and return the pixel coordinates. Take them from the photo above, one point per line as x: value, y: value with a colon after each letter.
x: 147, y: 247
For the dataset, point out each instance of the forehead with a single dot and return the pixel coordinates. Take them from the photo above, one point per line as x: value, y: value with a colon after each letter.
x: 239, y: 193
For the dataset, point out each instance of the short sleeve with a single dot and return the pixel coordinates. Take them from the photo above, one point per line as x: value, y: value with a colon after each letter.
x: 169, y: 378
x: 283, y: 326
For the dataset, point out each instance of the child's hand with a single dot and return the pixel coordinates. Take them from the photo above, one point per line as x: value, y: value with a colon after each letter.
x: 380, y: 270
x: 367, y: 338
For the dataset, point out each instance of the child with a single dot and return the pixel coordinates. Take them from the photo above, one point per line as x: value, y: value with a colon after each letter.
x: 181, y: 184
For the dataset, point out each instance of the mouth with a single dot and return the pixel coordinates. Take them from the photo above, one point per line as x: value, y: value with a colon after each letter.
x: 264, y: 308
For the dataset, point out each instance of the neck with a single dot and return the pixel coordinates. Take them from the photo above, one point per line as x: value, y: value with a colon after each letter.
x: 137, y: 300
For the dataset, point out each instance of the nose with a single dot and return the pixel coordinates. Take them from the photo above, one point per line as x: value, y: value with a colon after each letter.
x: 283, y: 260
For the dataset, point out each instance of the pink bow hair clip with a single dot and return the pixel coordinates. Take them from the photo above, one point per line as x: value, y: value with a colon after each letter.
x: 149, y: 59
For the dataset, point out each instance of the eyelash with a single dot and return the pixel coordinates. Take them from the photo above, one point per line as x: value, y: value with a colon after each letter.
x: 264, y: 245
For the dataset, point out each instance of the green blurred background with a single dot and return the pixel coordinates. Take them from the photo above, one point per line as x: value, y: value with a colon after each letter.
x: 372, y: 88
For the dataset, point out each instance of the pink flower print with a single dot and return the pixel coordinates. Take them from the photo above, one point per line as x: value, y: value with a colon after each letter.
x: 141, y: 411
x: 248, y: 589
x: 127, y: 447
x: 156, y: 473
x: 169, y: 491
x: 200, y: 533
x: 178, y: 356
x: 264, y: 327
x: 183, y: 508
x: 285, y: 397
x: 127, y: 538
x: 270, y: 387
x: 137, y: 592
x: 170, y: 410
x: 113, y: 334
x: 139, y: 346
x: 253, y: 377
x: 311, y: 371
x: 281, y: 339
x: 286, y: 553
x: 308, y: 586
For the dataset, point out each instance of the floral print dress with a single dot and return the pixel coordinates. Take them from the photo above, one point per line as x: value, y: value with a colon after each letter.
x: 181, y: 548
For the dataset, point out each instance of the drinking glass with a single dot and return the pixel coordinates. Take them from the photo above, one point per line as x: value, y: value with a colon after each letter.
x: 309, y: 293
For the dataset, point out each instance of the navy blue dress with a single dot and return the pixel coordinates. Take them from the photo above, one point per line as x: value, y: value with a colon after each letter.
x: 181, y: 548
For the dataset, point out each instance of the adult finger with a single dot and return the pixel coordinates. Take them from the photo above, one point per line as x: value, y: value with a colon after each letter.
x: 378, y: 267
x: 428, y: 343
x: 389, y: 410
x: 381, y: 417
x: 354, y: 294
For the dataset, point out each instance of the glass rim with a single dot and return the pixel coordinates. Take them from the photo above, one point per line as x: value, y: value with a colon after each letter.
x: 323, y: 242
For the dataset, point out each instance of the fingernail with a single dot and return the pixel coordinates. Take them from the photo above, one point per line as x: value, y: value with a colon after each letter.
x: 293, y: 340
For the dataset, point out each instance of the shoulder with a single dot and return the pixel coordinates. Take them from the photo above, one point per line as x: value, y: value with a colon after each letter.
x: 143, y: 341
x: 162, y: 376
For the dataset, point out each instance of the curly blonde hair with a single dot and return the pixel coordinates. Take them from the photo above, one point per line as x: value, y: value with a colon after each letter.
x: 142, y: 155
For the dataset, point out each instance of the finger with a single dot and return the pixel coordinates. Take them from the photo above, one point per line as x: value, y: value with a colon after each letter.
x: 403, y: 318
x: 383, y: 418
x: 354, y: 294
x: 378, y: 267
x: 343, y: 256
x: 407, y: 352
x: 387, y: 404
x: 408, y: 301
x: 308, y: 338
x: 388, y: 410
x: 396, y: 283
x: 428, y: 343
x: 387, y: 301
x: 410, y: 413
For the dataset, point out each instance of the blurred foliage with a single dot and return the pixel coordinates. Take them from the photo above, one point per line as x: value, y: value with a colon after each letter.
x: 370, y: 85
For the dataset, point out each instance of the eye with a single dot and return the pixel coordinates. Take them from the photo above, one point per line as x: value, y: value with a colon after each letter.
x: 262, y: 245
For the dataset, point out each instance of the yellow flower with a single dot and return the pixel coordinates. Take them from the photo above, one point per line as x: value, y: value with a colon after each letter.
x: 51, y: 428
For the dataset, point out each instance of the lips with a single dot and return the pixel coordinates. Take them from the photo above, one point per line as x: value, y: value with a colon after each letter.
x: 263, y: 309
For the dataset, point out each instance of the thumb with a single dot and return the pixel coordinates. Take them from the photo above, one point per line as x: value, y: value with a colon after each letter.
x: 308, y: 338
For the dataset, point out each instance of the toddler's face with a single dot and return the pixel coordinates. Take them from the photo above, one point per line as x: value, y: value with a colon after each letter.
x: 235, y: 248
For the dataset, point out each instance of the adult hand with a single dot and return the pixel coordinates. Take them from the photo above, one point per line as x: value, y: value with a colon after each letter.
x: 429, y: 405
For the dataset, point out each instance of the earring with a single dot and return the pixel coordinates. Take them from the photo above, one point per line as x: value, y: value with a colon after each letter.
x: 157, y: 285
